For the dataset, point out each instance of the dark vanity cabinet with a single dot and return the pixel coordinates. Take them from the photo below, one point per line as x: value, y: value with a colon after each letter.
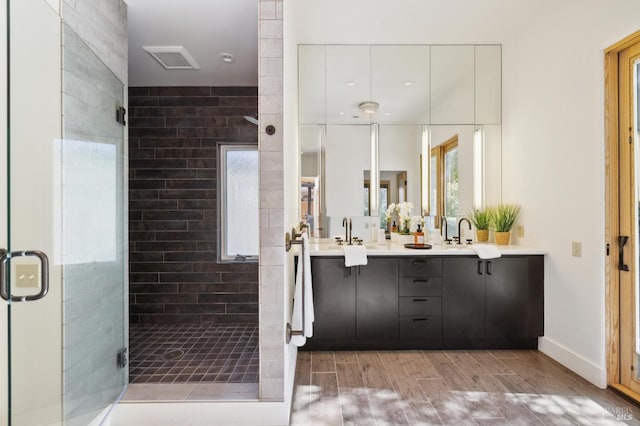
x: 334, y: 299
x: 493, y: 301
x: 356, y: 302
x: 514, y: 298
x: 464, y: 298
x: 420, y: 298
x: 377, y: 299
x: 428, y: 302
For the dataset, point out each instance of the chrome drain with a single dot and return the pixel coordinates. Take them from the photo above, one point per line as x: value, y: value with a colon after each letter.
x: 173, y: 354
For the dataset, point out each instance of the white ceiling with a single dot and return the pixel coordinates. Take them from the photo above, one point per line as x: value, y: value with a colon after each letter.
x: 205, y: 28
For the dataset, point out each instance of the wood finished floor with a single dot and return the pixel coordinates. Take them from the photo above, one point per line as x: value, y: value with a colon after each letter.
x: 450, y: 388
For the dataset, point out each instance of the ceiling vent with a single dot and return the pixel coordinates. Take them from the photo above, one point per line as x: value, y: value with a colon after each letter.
x: 172, y: 57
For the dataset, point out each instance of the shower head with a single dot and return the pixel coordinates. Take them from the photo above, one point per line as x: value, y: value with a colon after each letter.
x: 252, y: 120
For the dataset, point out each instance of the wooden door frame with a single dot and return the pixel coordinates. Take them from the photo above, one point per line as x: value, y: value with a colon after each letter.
x: 612, y: 221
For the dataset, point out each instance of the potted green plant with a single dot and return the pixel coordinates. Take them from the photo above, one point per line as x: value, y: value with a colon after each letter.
x: 481, y: 220
x: 503, y: 217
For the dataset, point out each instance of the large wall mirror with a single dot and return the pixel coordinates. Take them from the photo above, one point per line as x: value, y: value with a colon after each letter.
x: 422, y: 123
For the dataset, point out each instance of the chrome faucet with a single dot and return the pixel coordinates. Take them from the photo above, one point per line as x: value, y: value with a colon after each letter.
x: 348, y: 228
x: 458, y: 239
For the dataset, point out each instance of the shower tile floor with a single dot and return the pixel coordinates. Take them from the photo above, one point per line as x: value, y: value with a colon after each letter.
x: 220, y: 353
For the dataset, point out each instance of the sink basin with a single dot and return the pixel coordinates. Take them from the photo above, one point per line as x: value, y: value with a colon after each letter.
x: 457, y: 247
x: 337, y: 247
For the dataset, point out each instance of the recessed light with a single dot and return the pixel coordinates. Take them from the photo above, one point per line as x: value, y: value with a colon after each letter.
x: 408, y: 83
x: 341, y: 113
x: 351, y: 83
x: 387, y: 114
x: 227, y: 58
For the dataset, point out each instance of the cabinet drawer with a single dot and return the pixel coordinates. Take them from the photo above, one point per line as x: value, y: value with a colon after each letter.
x: 420, y: 305
x: 420, y: 327
x: 421, y: 267
x: 416, y: 286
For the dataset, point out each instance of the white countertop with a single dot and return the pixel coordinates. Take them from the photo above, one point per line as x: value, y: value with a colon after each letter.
x: 388, y: 248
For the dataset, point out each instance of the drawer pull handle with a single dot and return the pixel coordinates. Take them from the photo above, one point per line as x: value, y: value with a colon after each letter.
x: 420, y: 281
x: 420, y: 300
x: 420, y: 319
x: 420, y: 262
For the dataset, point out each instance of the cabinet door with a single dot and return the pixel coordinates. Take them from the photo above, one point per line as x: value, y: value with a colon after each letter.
x: 377, y: 299
x: 507, y: 298
x: 334, y: 298
x: 463, y: 308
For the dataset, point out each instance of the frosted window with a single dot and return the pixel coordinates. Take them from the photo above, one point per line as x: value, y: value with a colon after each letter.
x: 239, y: 195
x: 89, y: 202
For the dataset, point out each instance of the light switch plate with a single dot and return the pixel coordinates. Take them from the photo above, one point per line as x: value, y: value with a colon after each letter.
x: 27, y: 275
x: 576, y: 249
x: 520, y: 229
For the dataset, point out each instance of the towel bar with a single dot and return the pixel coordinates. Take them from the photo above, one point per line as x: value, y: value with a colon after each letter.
x: 291, y: 239
x: 288, y: 242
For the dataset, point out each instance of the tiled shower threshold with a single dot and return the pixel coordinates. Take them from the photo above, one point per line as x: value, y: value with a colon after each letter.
x: 184, y: 392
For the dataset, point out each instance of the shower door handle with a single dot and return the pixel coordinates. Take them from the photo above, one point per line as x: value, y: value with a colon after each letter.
x: 4, y: 275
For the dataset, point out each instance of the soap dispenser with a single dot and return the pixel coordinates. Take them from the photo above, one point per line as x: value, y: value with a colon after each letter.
x: 394, y: 228
x: 418, y: 237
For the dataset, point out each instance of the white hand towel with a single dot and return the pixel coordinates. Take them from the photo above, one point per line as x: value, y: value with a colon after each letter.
x: 355, y: 255
x: 303, y: 283
x: 486, y: 251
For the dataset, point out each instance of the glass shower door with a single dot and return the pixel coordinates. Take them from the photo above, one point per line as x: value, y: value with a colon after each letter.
x: 30, y: 290
x: 62, y: 312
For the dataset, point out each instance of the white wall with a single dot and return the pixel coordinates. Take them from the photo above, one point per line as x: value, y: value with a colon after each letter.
x: 553, y: 159
x: 554, y: 163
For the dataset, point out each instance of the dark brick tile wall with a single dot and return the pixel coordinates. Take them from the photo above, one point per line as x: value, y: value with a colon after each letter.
x: 174, y: 274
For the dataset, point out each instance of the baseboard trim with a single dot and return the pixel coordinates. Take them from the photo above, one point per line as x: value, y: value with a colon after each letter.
x: 574, y: 362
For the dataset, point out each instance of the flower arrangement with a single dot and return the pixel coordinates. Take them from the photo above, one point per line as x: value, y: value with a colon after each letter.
x: 403, y: 212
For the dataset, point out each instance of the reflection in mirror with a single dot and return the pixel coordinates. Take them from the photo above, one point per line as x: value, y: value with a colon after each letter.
x: 387, y: 195
x: 401, y: 153
x: 347, y: 156
x: 400, y: 84
x: 452, y: 171
x: 428, y: 97
x: 452, y: 84
x: 311, y: 173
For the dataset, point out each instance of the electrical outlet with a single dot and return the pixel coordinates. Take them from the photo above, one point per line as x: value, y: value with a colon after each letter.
x: 576, y: 249
x: 520, y: 229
